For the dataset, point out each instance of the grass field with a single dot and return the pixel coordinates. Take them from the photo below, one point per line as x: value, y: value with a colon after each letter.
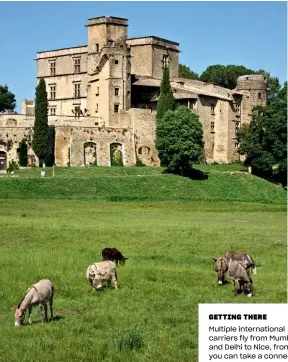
x: 50, y: 232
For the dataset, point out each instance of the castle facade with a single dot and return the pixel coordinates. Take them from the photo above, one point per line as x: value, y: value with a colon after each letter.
x: 103, y: 97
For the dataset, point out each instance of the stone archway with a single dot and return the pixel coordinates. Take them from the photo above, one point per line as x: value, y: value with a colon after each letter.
x: 116, y: 154
x: 3, y: 160
x: 90, y: 153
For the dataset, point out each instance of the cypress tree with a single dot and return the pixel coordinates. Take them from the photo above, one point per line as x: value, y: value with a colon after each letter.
x: 166, y: 101
x: 40, y: 142
x: 23, y: 159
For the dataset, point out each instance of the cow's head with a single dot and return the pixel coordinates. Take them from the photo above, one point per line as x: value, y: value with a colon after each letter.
x: 19, y: 316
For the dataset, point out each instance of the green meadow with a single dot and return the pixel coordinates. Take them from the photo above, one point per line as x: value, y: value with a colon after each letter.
x: 169, y: 226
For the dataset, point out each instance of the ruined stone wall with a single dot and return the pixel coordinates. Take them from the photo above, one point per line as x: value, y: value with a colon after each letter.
x: 143, y: 122
x: 70, y: 143
x: 10, y: 137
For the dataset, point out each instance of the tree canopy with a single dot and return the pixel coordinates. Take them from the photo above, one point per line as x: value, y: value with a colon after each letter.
x: 166, y: 99
x: 224, y: 76
x: 7, y: 99
x: 179, y: 139
x: 40, y: 142
x: 186, y: 72
x: 264, y: 141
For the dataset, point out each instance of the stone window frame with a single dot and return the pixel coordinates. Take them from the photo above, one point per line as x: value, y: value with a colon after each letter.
x: 52, y: 111
x: 97, y: 108
x: 77, y: 90
x: 52, y: 91
x: 237, y: 107
x: 165, y: 60
x: 116, y: 61
x: 77, y: 65
x: 212, y: 108
x: 237, y: 126
x: 116, y: 91
x: 97, y: 91
x: 97, y: 47
x: 259, y: 95
x: 52, y: 68
x: 116, y: 108
x: 212, y: 126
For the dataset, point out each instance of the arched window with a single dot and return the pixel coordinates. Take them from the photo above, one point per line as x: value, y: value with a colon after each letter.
x: 90, y: 153
x: 116, y: 155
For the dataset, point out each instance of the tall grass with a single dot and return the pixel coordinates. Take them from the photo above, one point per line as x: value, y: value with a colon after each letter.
x: 154, y: 314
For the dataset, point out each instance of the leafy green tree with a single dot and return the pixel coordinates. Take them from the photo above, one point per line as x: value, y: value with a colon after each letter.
x: 7, y: 99
x: 40, y: 142
x: 186, y: 72
x: 264, y: 141
x: 224, y: 76
x: 179, y: 139
x: 166, y: 99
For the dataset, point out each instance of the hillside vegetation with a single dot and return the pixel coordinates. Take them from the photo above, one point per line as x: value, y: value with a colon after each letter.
x: 141, y: 184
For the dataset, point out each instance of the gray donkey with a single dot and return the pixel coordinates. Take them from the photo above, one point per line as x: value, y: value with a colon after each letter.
x: 221, y: 268
x: 241, y: 278
x: 40, y: 293
x: 244, y: 258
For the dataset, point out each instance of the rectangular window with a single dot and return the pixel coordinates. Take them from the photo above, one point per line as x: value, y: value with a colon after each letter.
x: 77, y: 65
x: 237, y: 126
x: 97, y: 91
x: 237, y: 107
x: 77, y: 112
x: 52, y: 68
x: 259, y: 95
x: 116, y: 108
x: 96, y: 108
x: 53, y: 92
x: 116, y: 61
x: 76, y: 90
x: 116, y: 91
x: 212, y: 126
x: 97, y: 48
x: 212, y: 108
x: 165, y: 60
x: 53, y: 111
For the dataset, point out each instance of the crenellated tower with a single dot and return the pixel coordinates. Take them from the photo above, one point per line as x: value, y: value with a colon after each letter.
x: 254, y: 90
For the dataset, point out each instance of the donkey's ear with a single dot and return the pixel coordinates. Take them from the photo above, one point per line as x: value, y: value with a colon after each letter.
x: 214, y: 259
x: 12, y: 308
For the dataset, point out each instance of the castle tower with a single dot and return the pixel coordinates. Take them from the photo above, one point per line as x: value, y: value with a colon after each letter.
x: 254, y: 89
x: 109, y: 84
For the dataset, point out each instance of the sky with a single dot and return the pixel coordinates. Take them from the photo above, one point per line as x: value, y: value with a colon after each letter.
x: 253, y: 34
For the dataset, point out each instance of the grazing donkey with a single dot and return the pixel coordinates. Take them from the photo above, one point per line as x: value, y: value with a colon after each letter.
x: 221, y: 268
x: 243, y: 258
x: 40, y: 293
x: 241, y: 278
x: 113, y: 254
x: 99, y: 272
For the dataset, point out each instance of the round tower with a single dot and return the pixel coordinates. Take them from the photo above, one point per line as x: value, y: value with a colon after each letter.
x: 254, y: 90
